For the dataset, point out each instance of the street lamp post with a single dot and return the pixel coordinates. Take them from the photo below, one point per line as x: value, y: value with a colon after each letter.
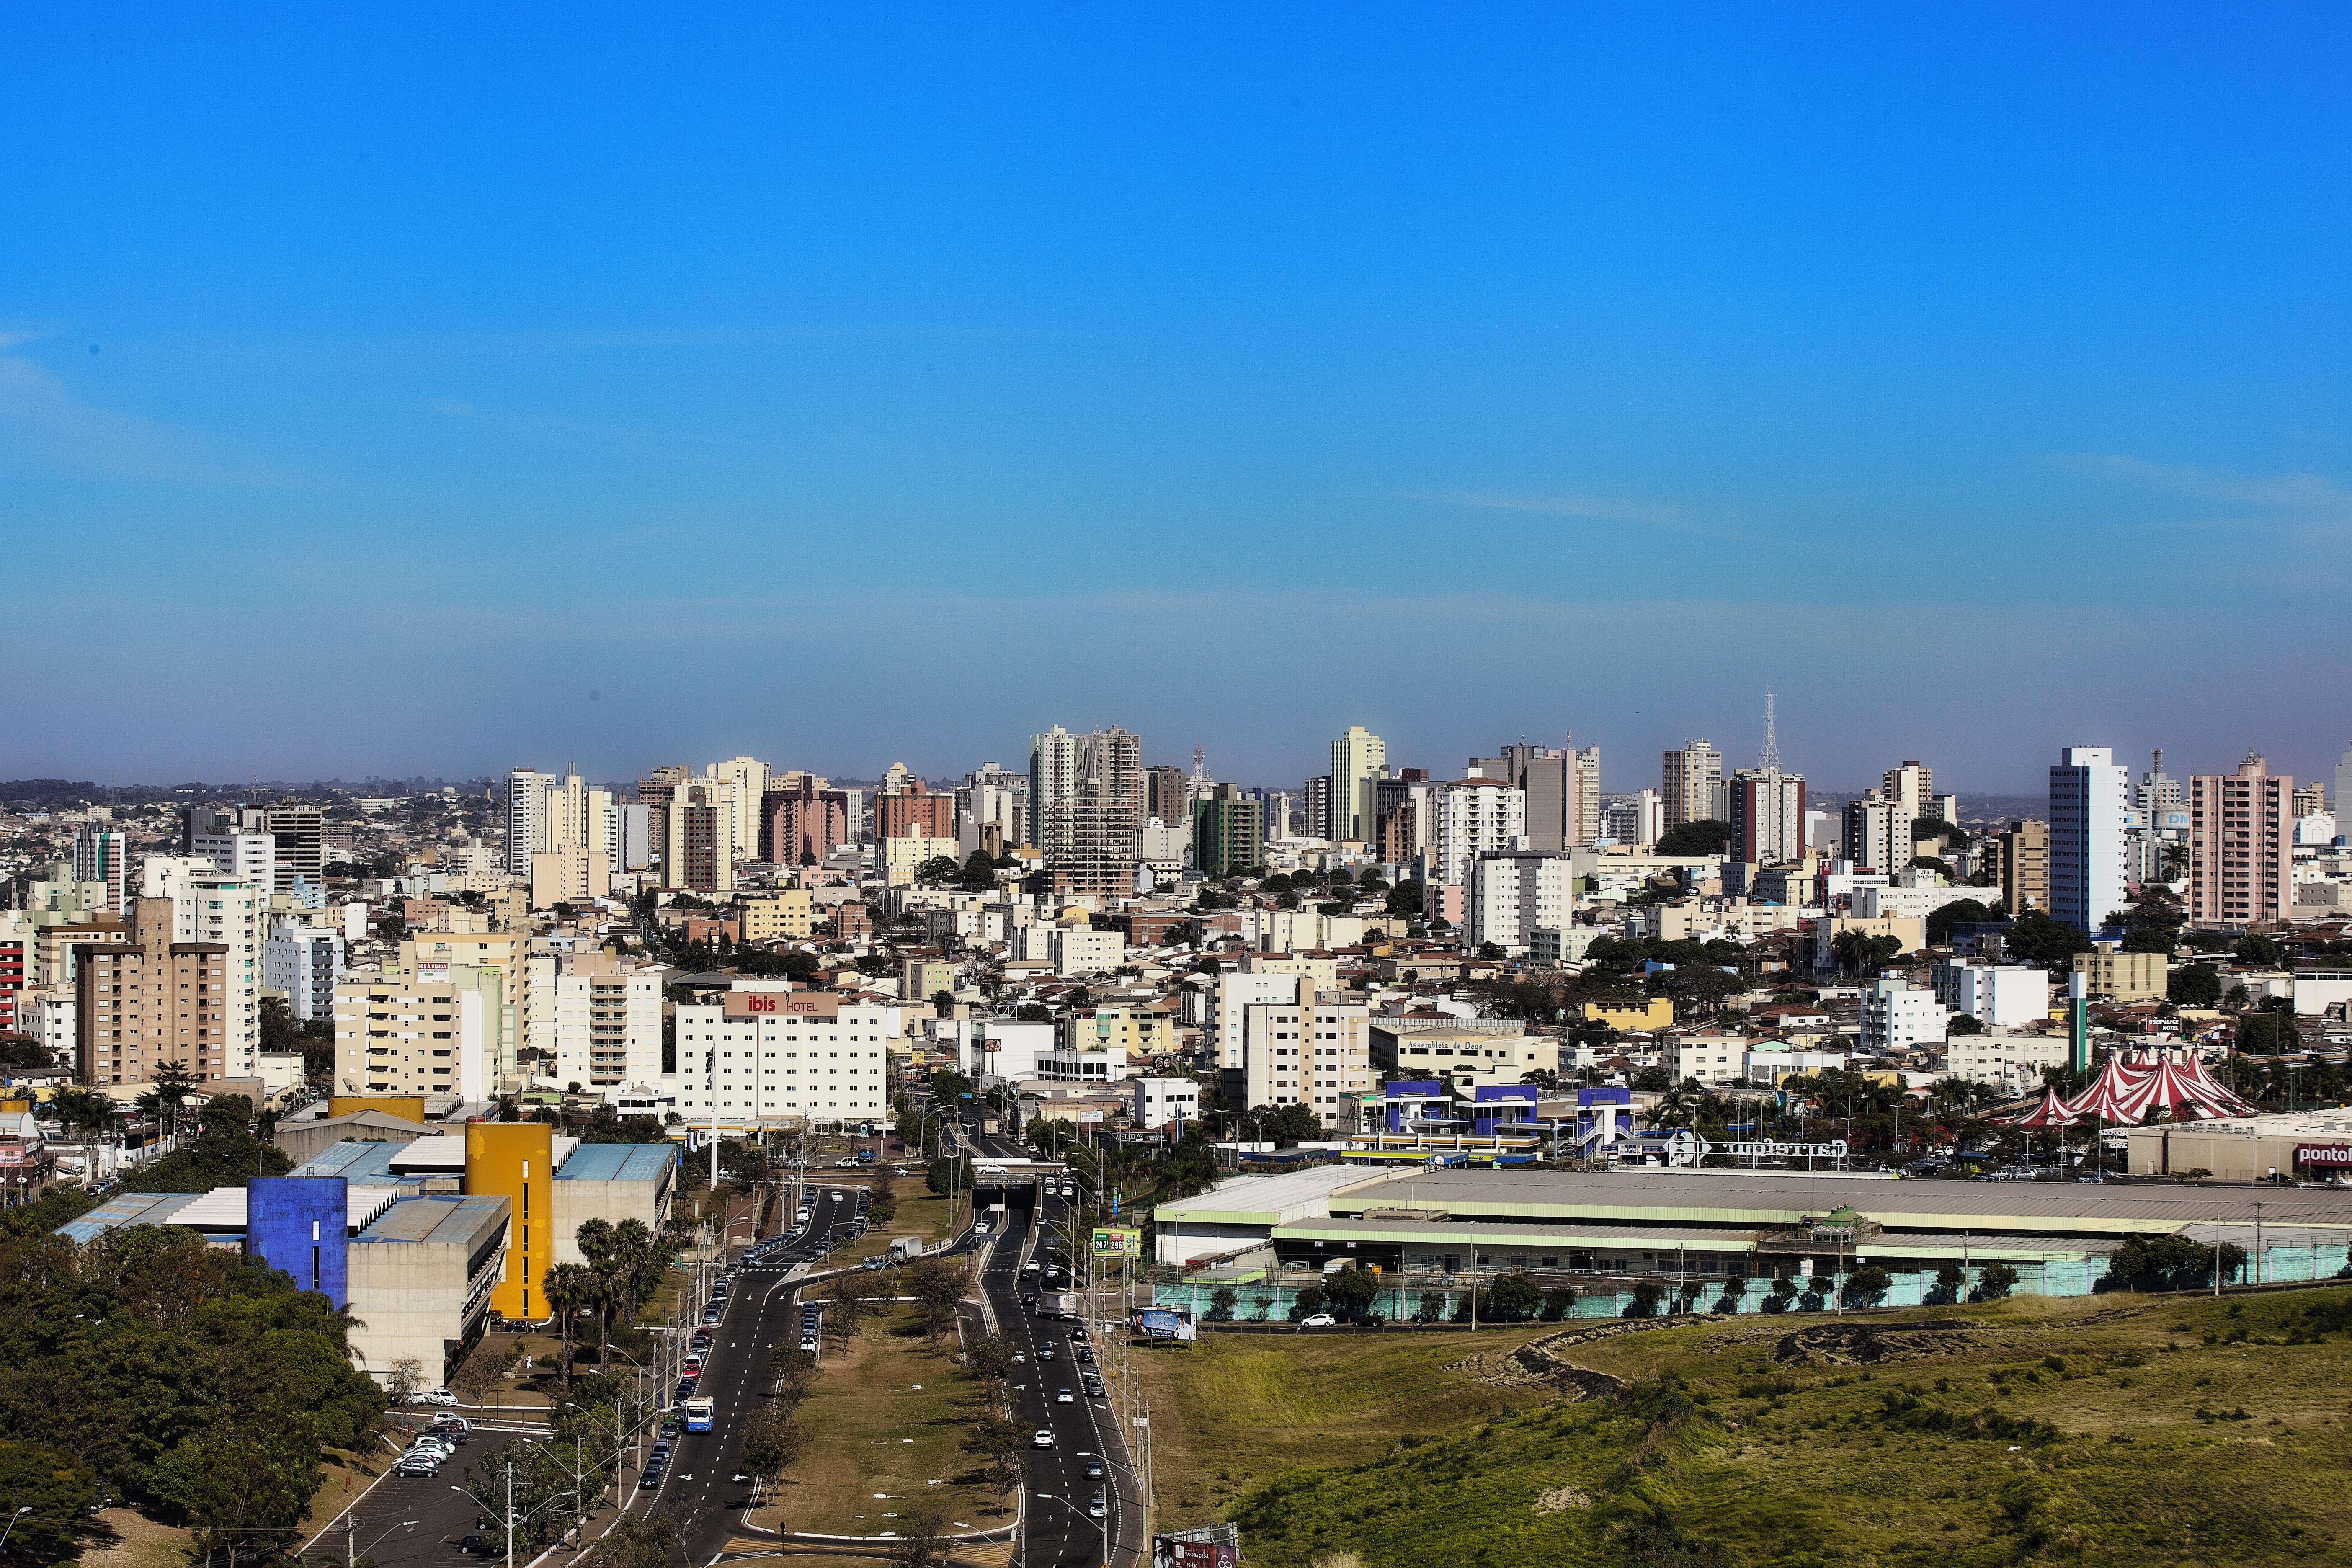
x: 11, y: 1522
x: 351, y: 1533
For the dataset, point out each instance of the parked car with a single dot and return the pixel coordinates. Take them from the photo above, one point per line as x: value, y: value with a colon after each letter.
x: 477, y: 1545
x: 416, y: 1466
x: 440, y: 1396
x: 1318, y: 1321
x: 649, y: 1480
x: 712, y: 1314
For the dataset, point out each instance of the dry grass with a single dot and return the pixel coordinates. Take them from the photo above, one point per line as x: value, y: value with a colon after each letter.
x: 2187, y: 1431
x: 135, y: 1541
x: 887, y: 1414
x: 1229, y: 1410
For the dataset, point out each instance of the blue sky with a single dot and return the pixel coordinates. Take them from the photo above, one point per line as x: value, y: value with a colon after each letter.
x: 850, y: 384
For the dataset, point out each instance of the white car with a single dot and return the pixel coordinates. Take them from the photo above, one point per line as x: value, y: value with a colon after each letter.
x: 440, y: 1396
x: 982, y: 1228
x: 1041, y: 1438
x: 1065, y: 1397
x: 1318, y: 1321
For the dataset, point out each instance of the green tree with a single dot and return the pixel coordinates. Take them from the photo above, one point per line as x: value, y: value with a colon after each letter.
x: 2194, y: 985
x: 53, y: 1488
x: 938, y: 871
x: 1995, y: 1280
x: 2255, y: 949
x: 772, y: 1440
x: 1515, y: 1296
x: 1706, y: 836
x: 1222, y: 1302
x: 1351, y: 1290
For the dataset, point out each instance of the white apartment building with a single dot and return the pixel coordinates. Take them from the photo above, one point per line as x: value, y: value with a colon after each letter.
x: 1471, y: 1054
x: 1476, y: 816
x: 102, y: 855
x: 1766, y: 1067
x: 903, y: 854
x: 1513, y: 896
x: 2004, y: 1059
x: 48, y: 1017
x: 749, y: 777
x: 1871, y: 901
x: 594, y: 1021
x: 1307, y: 1051
x: 778, y: 1057
x: 210, y: 905
x: 1082, y: 949
x: 1709, y: 1058
x: 304, y: 962
x: 1159, y: 1101
x: 1896, y: 1017
x: 1997, y: 996
x: 398, y: 1035
x: 1082, y: 1067
x: 2090, y: 804
x: 1223, y: 1032
x: 242, y: 852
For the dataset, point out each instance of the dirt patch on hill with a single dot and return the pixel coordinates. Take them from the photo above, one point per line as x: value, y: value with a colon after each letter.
x: 1870, y: 1344
x: 1544, y: 1360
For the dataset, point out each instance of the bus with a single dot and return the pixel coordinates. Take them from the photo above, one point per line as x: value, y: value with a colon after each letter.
x: 698, y: 1415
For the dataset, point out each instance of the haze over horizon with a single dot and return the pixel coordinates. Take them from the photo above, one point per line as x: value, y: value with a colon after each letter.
x: 429, y: 393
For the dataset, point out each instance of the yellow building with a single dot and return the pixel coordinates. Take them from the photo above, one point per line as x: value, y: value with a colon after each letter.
x: 780, y: 916
x: 516, y: 1161
x: 2124, y: 976
x: 902, y: 853
x: 408, y: 1108
x: 1657, y: 1012
x: 919, y: 979
x: 1135, y: 1030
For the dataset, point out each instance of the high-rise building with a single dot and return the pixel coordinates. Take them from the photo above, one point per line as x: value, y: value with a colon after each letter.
x: 914, y: 810
x: 224, y: 839
x: 1476, y: 816
x: 1767, y: 815
x: 152, y: 1002
x: 749, y: 777
x: 2343, y: 784
x: 1167, y: 794
x: 1515, y: 894
x: 1877, y: 834
x: 1317, y: 794
x: 1544, y: 774
x: 1404, y: 816
x: 1584, y: 783
x: 802, y: 821
x: 1228, y: 832
x: 2240, y: 845
x: 2018, y: 859
x: 1912, y: 786
x: 1087, y: 794
x: 2090, y: 796
x: 1358, y: 758
x: 101, y: 855
x: 2310, y: 799
x: 1693, y: 776
x: 304, y: 963
x: 300, y: 855
x: 214, y: 907
x: 991, y: 811
x: 700, y: 854
x: 526, y: 816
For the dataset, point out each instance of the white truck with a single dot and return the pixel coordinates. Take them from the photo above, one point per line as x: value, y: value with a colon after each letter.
x: 1057, y: 1304
x: 905, y: 1246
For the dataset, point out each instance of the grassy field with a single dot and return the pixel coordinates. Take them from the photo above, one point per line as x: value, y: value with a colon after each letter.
x: 887, y: 1414
x: 2149, y: 1430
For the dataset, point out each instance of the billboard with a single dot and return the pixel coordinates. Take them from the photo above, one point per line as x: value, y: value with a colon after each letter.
x: 1111, y: 1243
x: 2338, y: 1155
x: 1213, y: 1546
x: 1160, y: 1324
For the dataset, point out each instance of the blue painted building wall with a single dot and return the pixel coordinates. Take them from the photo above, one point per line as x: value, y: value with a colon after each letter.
x: 302, y: 1225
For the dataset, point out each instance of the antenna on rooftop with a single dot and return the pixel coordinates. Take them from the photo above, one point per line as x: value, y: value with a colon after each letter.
x: 1770, y: 760
x: 1199, y: 764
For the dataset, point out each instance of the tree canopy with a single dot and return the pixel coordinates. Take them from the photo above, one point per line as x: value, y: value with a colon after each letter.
x: 1707, y: 836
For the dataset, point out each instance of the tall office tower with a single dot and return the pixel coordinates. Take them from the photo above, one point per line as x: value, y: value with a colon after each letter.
x: 1167, y: 794
x: 1477, y: 815
x: 1913, y: 786
x: 1542, y: 772
x: 1404, y: 815
x: 1358, y: 758
x: 914, y: 810
x: 1693, y: 778
x: 2090, y: 795
x: 1584, y: 788
x: 2240, y: 845
x: 655, y: 791
x: 2019, y: 861
x: 102, y: 855
x: 699, y: 856
x: 1877, y: 834
x: 526, y: 815
x: 1317, y: 815
x: 2343, y: 782
x: 1228, y: 832
x: 749, y: 776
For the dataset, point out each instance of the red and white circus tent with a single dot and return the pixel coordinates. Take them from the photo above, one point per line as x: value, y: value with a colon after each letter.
x: 2132, y: 1085
x: 2050, y: 1112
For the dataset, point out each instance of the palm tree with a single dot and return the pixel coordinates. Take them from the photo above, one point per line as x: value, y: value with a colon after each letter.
x: 567, y: 1287
x: 636, y: 1248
